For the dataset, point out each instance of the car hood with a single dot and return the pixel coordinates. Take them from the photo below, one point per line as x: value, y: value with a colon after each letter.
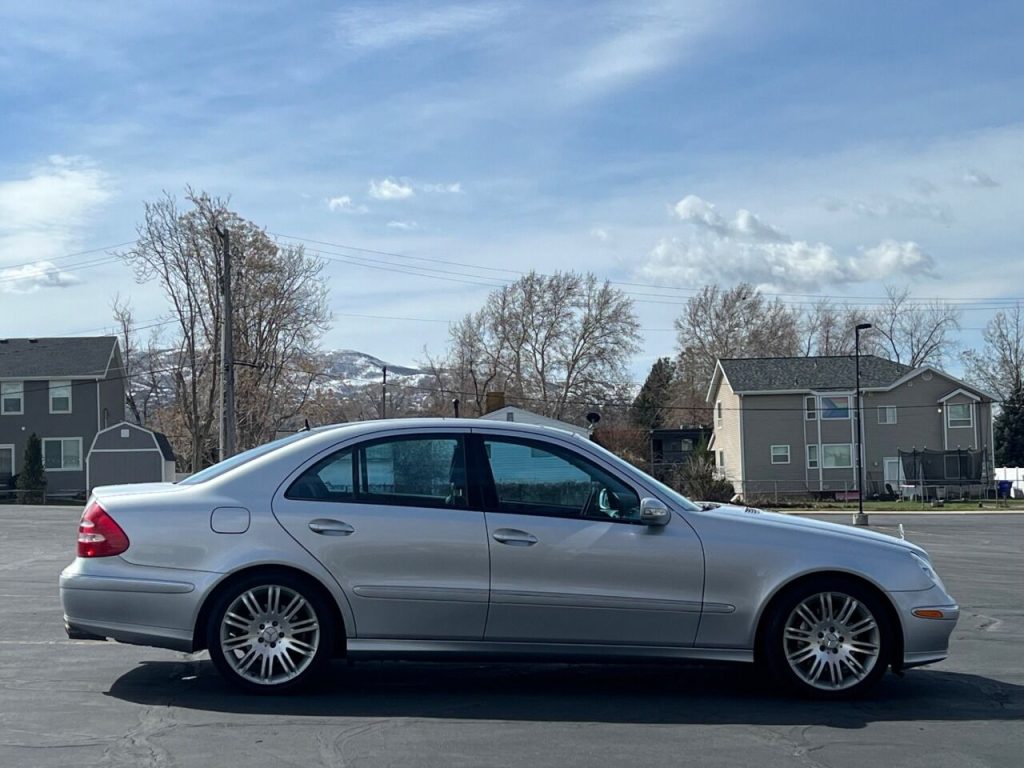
x: 756, y: 516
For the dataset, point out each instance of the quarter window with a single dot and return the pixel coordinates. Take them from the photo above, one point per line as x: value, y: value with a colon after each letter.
x: 887, y: 414
x: 780, y: 454
x: 62, y: 454
x: 838, y: 456
x: 959, y: 415
x: 539, y: 479
x: 12, y: 397
x: 60, y: 397
x: 410, y: 472
x: 810, y: 408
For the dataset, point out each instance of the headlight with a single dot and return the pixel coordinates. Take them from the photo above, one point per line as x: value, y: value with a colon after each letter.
x: 928, y: 570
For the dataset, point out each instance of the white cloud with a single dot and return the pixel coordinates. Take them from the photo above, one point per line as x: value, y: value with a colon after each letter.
x: 600, y: 233
x: 894, y: 208
x: 373, y: 28
x: 642, y: 40
x: 890, y: 258
x: 744, y: 225
x: 748, y: 248
x: 403, y: 225
x: 29, y: 278
x: 344, y: 204
x: 455, y: 188
x: 390, y: 189
x: 974, y: 178
x: 42, y: 217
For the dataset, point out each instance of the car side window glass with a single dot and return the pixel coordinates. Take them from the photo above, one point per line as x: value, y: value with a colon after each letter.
x: 421, y: 472
x: 418, y: 472
x: 537, y: 479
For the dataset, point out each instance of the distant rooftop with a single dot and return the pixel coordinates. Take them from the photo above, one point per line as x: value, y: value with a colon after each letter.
x: 765, y: 374
x: 63, y: 357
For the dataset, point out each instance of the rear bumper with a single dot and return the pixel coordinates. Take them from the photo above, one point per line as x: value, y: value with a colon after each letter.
x: 109, y: 598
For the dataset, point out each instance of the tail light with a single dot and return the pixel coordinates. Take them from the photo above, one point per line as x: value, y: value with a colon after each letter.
x: 99, y: 535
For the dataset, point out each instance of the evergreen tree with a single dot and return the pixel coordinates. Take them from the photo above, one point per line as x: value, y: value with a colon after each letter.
x: 1009, y: 430
x: 33, y: 476
x: 650, y: 404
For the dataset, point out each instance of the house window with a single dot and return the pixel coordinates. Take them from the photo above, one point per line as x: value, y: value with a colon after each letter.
x: 887, y: 414
x: 812, y: 457
x: 510, y: 416
x: 60, y: 397
x: 6, y: 463
x: 837, y: 407
x: 959, y: 415
x: 62, y: 454
x: 810, y: 408
x: 12, y: 397
x: 718, y: 410
x: 721, y: 459
x: 780, y: 454
x: 837, y: 456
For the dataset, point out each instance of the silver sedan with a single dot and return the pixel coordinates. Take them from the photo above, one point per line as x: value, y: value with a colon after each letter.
x: 457, y: 538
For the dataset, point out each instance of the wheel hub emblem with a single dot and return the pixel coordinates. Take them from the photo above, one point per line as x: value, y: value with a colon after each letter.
x: 271, y: 635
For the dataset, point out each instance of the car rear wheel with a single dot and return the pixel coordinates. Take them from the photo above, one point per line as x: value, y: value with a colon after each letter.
x: 830, y: 639
x: 270, y: 632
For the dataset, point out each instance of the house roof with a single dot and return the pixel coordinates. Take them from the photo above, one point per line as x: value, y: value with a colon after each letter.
x: 79, y: 357
x: 523, y: 416
x: 164, y: 445
x: 768, y: 374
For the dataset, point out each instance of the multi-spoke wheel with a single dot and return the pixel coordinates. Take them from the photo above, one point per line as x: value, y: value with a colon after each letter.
x: 829, y: 639
x: 270, y: 632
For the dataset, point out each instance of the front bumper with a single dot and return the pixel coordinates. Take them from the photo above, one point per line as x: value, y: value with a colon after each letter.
x: 928, y: 618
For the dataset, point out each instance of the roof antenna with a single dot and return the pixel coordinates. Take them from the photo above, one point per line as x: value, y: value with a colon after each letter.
x: 455, y: 407
x: 305, y: 428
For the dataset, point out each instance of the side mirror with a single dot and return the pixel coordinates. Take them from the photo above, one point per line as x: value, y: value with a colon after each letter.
x: 654, y: 512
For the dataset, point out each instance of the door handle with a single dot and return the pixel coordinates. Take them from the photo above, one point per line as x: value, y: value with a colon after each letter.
x: 331, y: 527
x: 514, y: 538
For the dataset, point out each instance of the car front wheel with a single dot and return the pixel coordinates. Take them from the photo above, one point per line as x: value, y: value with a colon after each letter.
x: 270, y: 633
x: 832, y: 639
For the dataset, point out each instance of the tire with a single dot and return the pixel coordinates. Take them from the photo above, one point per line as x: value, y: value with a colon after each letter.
x: 271, y: 632
x: 829, y: 639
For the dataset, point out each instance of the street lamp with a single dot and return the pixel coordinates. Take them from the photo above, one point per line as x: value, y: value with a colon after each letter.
x: 860, y: 518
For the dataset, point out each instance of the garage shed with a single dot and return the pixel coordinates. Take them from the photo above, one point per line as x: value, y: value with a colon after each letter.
x: 128, y: 453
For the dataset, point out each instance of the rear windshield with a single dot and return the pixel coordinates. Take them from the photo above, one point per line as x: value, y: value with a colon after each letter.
x: 239, y: 459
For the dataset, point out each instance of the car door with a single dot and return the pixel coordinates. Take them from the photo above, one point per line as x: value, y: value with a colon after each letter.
x: 570, y: 561
x: 396, y: 523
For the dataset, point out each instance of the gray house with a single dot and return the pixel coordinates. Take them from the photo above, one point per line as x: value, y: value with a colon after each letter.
x: 785, y: 426
x: 65, y: 390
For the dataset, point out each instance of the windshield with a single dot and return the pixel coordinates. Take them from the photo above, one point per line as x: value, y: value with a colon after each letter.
x: 239, y: 459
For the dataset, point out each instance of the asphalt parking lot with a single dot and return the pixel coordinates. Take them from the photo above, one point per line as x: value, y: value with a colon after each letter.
x: 82, y: 703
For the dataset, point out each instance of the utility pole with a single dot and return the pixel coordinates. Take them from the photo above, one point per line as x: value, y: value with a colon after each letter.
x: 227, y: 353
x: 860, y: 518
x: 384, y: 395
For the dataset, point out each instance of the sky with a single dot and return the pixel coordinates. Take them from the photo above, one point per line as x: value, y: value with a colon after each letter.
x: 432, y: 151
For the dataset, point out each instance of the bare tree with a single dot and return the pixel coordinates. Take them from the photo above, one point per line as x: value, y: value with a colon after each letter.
x: 721, y: 323
x: 828, y: 330
x: 999, y: 366
x: 280, y: 312
x: 547, y: 341
x: 914, y: 333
